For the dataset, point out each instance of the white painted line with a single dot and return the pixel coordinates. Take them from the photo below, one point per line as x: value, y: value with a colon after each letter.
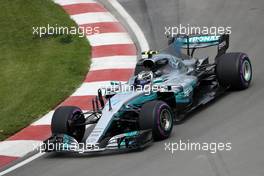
x: 113, y: 62
x: 45, y: 120
x: 93, y: 17
x: 69, y: 2
x: 22, y: 163
x: 91, y: 88
x: 18, y: 148
x: 132, y: 24
x: 109, y: 39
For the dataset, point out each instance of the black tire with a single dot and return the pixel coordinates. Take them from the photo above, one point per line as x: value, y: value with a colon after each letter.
x: 235, y: 70
x: 64, y: 120
x: 151, y: 116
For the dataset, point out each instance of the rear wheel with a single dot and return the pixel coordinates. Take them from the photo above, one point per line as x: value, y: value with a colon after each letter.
x: 157, y: 115
x: 64, y: 121
x: 235, y: 70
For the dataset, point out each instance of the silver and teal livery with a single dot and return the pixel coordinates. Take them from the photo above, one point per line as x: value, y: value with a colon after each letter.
x: 165, y: 87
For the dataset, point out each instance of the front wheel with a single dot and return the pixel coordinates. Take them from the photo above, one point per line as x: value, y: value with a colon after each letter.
x: 158, y: 116
x: 64, y: 121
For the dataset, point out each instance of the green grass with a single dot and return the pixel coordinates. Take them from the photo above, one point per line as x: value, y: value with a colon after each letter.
x: 36, y: 74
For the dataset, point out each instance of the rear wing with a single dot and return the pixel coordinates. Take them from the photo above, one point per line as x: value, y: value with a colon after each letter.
x: 201, y: 41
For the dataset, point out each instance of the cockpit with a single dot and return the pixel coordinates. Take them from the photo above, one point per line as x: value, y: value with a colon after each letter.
x: 159, y: 65
x: 164, y: 64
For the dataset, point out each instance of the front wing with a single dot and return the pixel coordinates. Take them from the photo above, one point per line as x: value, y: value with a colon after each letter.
x: 66, y: 143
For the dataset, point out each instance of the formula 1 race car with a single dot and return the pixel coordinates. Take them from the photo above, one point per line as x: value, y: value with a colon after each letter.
x: 165, y: 87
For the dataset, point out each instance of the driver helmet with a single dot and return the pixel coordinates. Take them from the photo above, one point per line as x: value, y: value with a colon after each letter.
x: 148, y: 54
x: 144, y: 78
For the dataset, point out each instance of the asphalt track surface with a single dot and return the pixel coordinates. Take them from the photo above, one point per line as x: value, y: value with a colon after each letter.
x: 237, y: 117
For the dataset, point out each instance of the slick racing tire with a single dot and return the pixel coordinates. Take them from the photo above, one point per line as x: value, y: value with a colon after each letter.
x: 64, y: 121
x: 235, y: 70
x: 156, y: 115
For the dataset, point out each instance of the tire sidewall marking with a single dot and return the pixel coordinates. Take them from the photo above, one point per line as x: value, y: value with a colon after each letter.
x: 162, y: 131
x: 242, y: 59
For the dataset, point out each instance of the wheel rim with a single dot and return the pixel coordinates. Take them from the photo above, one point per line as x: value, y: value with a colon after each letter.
x: 77, y: 132
x: 246, y: 70
x: 165, y: 119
